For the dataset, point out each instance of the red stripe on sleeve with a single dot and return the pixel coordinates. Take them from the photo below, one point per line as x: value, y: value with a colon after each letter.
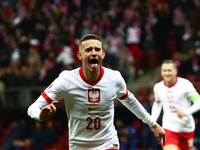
x: 125, y: 96
x: 46, y: 97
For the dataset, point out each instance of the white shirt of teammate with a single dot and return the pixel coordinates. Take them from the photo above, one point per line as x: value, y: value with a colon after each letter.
x: 171, y: 99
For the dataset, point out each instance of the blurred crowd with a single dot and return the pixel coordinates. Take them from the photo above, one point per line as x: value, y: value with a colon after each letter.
x: 39, y: 39
x: 21, y: 135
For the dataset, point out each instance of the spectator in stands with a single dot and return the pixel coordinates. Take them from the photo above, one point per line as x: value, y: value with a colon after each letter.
x: 34, y: 63
x: 179, y: 20
x: 50, y: 134
x: 127, y: 135
x: 19, y: 132
x: 4, y: 58
x: 25, y: 144
x: 24, y: 95
x: 15, y: 54
x: 197, y: 42
x: 8, y: 77
x: 133, y: 37
x: 114, y: 45
x: 188, y: 40
x: 149, y: 37
x: 197, y: 133
x: 47, y: 72
x: 193, y: 62
x: 126, y: 65
x: 66, y: 56
x: 37, y: 136
x: 105, y: 25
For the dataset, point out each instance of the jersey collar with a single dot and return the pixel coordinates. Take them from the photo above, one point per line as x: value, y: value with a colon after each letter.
x: 172, y: 84
x: 85, y: 80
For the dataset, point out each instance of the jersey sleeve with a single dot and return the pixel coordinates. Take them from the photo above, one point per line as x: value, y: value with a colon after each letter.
x: 122, y: 92
x: 157, y: 105
x: 55, y: 90
x: 35, y: 109
x: 129, y: 101
x: 194, y: 96
x: 137, y: 109
x: 190, y: 90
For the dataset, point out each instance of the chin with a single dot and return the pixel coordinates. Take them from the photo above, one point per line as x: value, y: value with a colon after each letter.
x: 94, y: 70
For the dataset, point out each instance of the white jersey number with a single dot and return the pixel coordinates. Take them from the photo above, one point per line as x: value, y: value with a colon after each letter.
x: 190, y: 142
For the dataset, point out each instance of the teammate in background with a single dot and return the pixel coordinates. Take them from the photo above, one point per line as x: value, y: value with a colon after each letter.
x: 175, y: 95
x: 89, y: 93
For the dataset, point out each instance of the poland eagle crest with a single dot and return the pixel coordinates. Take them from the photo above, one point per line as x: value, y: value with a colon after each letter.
x: 94, y: 95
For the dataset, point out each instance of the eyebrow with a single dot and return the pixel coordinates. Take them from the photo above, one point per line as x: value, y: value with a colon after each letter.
x: 93, y: 47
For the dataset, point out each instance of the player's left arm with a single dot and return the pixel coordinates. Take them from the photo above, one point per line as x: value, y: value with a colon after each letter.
x: 195, y: 98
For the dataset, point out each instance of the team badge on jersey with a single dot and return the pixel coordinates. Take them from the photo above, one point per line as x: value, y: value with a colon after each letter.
x: 49, y: 86
x: 169, y: 94
x: 93, y: 95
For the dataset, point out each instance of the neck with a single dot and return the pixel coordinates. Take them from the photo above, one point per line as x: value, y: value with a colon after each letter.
x: 170, y: 83
x: 91, y: 76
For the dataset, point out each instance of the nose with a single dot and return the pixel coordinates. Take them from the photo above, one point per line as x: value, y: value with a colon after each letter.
x: 93, y: 52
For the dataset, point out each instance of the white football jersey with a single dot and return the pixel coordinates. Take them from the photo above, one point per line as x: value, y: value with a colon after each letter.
x: 90, y: 107
x: 172, y: 99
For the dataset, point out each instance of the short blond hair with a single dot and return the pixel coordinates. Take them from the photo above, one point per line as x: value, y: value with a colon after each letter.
x: 89, y: 37
x: 169, y: 61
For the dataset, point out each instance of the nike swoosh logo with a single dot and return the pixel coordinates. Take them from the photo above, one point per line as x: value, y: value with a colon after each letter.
x: 90, y: 108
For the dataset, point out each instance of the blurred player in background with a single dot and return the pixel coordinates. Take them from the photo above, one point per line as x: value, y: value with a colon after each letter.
x: 175, y: 95
x: 89, y: 93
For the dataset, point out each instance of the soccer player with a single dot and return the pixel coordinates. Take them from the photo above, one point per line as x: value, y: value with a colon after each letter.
x: 89, y: 93
x: 175, y: 95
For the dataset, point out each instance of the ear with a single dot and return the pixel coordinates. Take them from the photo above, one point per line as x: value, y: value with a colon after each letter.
x: 79, y: 55
x: 176, y: 72
x: 103, y: 53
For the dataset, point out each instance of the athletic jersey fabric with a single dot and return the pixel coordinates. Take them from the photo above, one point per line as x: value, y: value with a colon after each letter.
x: 171, y: 99
x: 90, y: 107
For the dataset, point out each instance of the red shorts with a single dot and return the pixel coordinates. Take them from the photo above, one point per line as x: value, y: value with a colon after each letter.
x: 183, y: 140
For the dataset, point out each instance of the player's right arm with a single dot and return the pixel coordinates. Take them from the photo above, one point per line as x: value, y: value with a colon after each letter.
x: 41, y: 110
x: 44, y: 107
x: 34, y: 110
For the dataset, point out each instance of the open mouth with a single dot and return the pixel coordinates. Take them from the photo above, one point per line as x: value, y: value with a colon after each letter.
x: 93, y: 63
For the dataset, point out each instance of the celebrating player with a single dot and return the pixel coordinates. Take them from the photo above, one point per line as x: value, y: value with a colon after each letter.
x: 89, y: 93
x: 175, y: 95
